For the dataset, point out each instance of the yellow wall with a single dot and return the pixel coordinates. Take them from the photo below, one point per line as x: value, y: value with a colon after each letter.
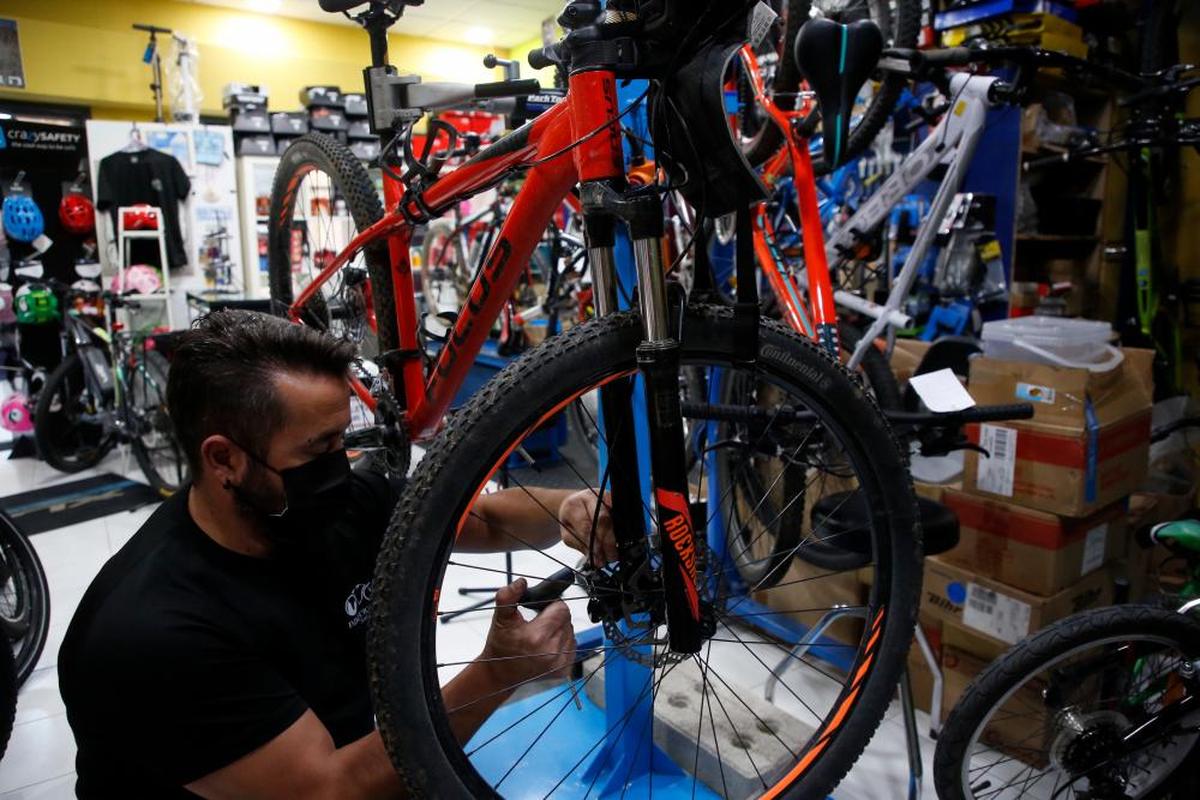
x: 520, y: 53
x: 84, y: 51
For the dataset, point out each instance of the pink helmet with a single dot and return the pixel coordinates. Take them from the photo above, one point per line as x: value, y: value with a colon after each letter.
x: 14, y: 414
x: 140, y: 278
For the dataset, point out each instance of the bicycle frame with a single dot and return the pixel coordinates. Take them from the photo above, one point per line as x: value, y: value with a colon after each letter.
x: 547, y: 182
x: 952, y: 142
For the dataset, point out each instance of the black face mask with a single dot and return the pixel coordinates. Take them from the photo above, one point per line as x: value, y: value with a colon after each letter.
x: 316, y: 494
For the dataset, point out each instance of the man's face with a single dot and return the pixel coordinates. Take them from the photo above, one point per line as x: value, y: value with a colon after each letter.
x: 316, y: 415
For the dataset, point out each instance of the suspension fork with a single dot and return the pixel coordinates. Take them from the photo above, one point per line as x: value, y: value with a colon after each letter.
x: 658, y: 362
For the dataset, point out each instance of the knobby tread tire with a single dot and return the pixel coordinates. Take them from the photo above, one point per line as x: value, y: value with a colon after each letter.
x: 875, y: 368
x: 156, y: 363
x: 474, y: 439
x: 1028, y: 657
x: 321, y: 152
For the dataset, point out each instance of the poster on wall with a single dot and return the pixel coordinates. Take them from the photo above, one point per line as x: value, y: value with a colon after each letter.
x: 12, y: 69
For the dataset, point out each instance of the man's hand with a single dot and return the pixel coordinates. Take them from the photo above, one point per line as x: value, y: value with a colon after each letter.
x: 519, y: 651
x: 575, y: 517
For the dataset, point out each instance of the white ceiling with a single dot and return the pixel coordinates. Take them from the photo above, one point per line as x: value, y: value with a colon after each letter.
x: 510, y: 22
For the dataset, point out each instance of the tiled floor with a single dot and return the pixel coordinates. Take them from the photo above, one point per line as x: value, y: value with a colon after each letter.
x: 40, y: 759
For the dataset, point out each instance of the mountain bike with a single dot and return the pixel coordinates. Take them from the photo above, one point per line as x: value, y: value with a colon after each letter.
x: 1103, y: 705
x: 110, y: 388
x: 24, y: 600
x: 662, y: 612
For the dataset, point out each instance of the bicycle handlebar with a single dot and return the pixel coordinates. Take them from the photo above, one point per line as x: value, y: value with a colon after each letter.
x: 544, y: 57
x: 518, y: 88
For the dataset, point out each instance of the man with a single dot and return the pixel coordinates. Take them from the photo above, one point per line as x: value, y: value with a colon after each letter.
x: 220, y: 653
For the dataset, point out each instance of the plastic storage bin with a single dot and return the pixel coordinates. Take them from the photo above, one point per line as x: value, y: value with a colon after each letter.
x: 1076, y: 343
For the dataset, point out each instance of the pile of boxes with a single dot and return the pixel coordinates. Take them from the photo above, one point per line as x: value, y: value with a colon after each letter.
x: 1043, y: 518
x: 327, y: 110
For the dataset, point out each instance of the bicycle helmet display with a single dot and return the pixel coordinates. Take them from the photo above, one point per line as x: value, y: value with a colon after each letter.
x: 23, y: 219
x: 14, y: 414
x: 77, y: 214
x: 36, y: 304
x: 140, y: 278
x: 141, y: 217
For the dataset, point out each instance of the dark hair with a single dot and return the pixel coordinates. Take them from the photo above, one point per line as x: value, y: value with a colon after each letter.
x: 222, y: 376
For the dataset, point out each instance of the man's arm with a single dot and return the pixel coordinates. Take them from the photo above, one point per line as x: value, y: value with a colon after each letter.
x: 302, y: 762
x: 513, y: 519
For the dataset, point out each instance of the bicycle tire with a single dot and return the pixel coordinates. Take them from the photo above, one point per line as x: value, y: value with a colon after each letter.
x: 315, y: 151
x: 27, y: 632
x: 65, y: 384
x: 157, y: 367
x: 404, y: 614
x: 1032, y: 656
x: 904, y: 30
x: 8, y: 697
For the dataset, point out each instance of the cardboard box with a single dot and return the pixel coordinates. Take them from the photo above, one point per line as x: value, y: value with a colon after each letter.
x: 906, y: 357
x: 1004, y: 613
x: 1032, y: 550
x: 1012, y: 729
x: 1086, y: 447
x: 919, y: 674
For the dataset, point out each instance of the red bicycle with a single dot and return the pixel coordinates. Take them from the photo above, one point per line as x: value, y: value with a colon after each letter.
x: 657, y: 693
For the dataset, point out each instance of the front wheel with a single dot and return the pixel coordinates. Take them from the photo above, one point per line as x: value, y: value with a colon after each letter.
x: 24, y: 599
x: 1057, y: 715
x: 532, y: 733
x: 68, y: 423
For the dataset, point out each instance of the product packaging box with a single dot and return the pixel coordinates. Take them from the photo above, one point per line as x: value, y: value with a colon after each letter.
x: 1087, y: 445
x: 1032, y: 550
x: 1004, y: 613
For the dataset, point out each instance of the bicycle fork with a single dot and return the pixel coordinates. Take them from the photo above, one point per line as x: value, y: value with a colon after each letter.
x: 606, y: 202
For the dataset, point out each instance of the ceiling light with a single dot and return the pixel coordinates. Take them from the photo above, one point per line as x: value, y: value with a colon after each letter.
x: 265, y: 6
x: 478, y: 35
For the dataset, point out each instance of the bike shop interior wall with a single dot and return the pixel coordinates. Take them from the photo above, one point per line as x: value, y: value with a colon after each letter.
x: 86, y: 52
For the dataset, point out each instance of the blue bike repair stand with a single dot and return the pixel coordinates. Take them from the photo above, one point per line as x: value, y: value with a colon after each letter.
x: 544, y: 733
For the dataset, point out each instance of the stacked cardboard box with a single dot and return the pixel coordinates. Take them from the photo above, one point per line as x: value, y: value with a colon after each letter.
x: 1044, y: 517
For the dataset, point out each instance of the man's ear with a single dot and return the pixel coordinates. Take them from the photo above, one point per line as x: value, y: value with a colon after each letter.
x: 222, y: 459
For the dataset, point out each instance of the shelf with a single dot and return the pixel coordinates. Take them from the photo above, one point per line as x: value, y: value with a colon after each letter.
x: 1062, y: 238
x: 1045, y: 150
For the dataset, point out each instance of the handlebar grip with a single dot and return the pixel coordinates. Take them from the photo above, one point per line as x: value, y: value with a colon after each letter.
x: 997, y: 413
x: 542, y: 594
x: 486, y: 91
x: 947, y: 57
x: 540, y: 59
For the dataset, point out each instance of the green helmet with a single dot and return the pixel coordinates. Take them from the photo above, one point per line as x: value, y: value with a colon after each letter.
x: 36, y: 304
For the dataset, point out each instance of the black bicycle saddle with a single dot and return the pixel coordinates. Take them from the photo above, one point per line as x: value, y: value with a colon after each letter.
x: 836, y: 60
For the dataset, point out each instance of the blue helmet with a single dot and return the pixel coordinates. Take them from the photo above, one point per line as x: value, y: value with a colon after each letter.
x: 22, y: 218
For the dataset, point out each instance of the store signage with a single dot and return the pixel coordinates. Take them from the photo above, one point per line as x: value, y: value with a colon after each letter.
x: 12, y: 69
x: 17, y: 135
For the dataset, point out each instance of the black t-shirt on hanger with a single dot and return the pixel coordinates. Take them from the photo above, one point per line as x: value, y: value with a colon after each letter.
x: 184, y: 656
x: 146, y: 176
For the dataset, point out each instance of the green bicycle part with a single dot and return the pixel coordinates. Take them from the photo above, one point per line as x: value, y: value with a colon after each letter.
x: 1143, y: 249
x: 1183, y: 532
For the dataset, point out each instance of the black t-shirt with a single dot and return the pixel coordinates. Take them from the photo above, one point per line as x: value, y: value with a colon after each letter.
x: 146, y: 176
x: 184, y: 656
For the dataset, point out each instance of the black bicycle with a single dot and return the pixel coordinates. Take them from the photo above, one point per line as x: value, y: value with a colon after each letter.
x: 24, y: 600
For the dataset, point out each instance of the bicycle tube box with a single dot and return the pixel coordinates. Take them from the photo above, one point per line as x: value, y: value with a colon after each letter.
x: 1087, y: 445
x: 1032, y: 550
